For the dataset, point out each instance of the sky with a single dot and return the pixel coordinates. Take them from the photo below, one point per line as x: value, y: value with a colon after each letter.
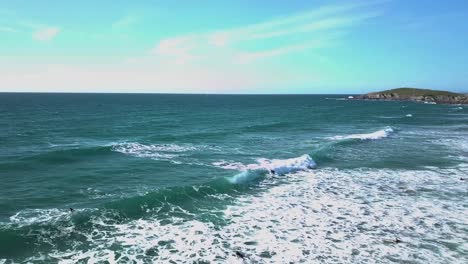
x: 242, y: 46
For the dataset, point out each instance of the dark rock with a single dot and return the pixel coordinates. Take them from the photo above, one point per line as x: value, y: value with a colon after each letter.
x: 240, y: 255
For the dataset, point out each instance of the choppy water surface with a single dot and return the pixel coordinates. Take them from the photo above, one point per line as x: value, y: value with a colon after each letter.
x: 197, y: 178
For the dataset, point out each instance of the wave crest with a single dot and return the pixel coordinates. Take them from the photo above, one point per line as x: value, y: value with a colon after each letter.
x: 370, y: 136
x: 276, y: 166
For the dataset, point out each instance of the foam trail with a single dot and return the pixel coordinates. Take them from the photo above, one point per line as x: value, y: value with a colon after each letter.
x: 277, y: 166
x: 155, y: 151
x: 370, y: 136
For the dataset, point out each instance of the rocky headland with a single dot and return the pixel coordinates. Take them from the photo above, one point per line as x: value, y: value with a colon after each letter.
x: 418, y: 95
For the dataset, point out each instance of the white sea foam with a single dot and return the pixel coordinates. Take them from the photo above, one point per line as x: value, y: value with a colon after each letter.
x: 370, y: 136
x: 37, y: 216
x: 328, y: 216
x: 276, y: 166
x: 409, y: 115
x: 154, y: 151
x: 337, y: 99
x: 229, y: 165
x: 42, y: 216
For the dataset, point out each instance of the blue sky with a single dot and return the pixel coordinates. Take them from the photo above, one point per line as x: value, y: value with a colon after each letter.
x: 267, y: 46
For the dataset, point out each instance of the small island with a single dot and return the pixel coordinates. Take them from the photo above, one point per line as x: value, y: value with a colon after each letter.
x: 418, y: 95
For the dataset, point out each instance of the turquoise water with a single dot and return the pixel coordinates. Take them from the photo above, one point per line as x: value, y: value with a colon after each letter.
x: 195, y: 178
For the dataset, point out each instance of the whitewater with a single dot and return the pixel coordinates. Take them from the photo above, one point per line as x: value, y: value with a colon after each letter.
x: 231, y: 179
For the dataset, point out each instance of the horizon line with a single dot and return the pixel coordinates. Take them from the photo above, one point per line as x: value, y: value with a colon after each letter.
x: 163, y: 93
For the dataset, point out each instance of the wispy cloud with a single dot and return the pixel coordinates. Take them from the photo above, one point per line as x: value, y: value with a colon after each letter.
x: 317, y: 25
x: 323, y: 18
x: 46, y: 34
x: 40, y: 32
x: 223, y: 60
x: 179, y: 48
x: 304, y: 28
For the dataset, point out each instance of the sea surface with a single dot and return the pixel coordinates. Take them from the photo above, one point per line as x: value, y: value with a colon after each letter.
x: 157, y: 178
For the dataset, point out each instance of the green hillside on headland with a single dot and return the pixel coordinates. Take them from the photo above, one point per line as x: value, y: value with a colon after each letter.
x: 418, y: 92
x: 419, y: 95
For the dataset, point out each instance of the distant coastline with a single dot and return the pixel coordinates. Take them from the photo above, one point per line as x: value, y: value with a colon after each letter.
x: 417, y: 95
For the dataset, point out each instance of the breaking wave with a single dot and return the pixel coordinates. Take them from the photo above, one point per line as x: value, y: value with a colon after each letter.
x: 370, y: 136
x: 272, y: 166
x: 340, y: 216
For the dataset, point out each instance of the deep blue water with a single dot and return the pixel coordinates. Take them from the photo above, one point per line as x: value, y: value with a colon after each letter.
x: 194, y: 178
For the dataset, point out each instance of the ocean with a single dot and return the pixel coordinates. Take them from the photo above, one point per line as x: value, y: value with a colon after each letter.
x: 159, y: 178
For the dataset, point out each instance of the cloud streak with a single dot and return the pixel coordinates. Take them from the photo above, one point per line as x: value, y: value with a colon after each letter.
x: 40, y: 32
x: 317, y: 26
x: 46, y: 34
